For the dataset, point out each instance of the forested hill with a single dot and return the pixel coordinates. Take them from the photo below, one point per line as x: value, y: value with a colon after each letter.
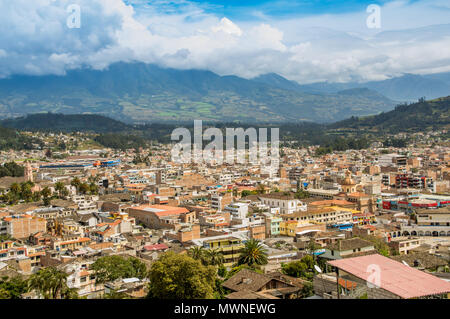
x: 420, y: 116
x: 66, y: 123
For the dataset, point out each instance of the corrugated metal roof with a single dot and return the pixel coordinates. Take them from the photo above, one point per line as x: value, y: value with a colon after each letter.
x: 395, y: 277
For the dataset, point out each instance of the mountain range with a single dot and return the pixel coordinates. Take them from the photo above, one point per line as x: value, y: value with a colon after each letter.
x: 406, y: 88
x: 138, y: 93
x: 142, y: 93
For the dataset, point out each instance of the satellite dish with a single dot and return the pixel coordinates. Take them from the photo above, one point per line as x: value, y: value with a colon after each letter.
x: 404, y: 263
x: 318, y: 269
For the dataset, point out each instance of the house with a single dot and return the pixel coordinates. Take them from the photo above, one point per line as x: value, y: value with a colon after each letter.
x: 247, y: 284
x: 161, y: 216
x: 131, y: 287
x: 287, y: 203
x: 423, y: 261
x: 346, y: 248
x: 379, y: 277
x: 403, y: 245
x: 229, y: 245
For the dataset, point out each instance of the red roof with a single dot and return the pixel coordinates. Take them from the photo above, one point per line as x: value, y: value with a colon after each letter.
x: 156, y: 247
x: 395, y: 277
x: 162, y: 210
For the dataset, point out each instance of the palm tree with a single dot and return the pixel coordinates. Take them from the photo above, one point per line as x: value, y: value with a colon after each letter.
x: 253, y: 254
x: 75, y: 182
x: 196, y: 252
x: 59, y: 187
x: 214, y: 257
x: 50, y: 283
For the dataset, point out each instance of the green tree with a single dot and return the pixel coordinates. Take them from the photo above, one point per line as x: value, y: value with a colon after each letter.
x: 110, y: 268
x: 246, y: 193
x: 46, y: 195
x: 36, y: 197
x: 197, y: 252
x: 51, y: 283
x: 214, y: 257
x: 253, y: 253
x: 93, y: 188
x: 12, y: 288
x: 60, y: 187
x: 83, y: 188
x: 179, y: 276
x: 307, y: 290
x: 301, y: 194
x: 303, y: 268
x: 75, y: 182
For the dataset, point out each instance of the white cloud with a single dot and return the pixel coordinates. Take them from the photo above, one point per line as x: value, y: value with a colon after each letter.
x: 228, y: 27
x: 36, y: 40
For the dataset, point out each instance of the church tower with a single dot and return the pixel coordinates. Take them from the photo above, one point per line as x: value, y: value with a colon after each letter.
x: 348, y: 185
x: 28, y: 172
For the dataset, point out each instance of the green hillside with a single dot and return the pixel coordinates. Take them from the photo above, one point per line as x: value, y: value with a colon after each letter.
x: 421, y: 116
x: 147, y: 93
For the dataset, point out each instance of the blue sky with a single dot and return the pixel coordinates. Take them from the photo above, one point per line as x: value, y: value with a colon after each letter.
x: 306, y: 41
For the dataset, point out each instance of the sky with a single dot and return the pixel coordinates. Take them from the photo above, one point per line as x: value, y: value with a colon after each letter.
x: 305, y: 41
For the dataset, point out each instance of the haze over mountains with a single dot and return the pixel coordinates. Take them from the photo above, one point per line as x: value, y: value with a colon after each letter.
x: 138, y: 93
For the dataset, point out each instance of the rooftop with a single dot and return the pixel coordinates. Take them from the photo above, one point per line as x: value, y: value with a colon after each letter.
x: 395, y: 277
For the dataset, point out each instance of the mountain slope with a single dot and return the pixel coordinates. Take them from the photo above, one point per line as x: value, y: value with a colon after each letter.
x: 409, y: 87
x: 147, y: 93
x: 65, y: 123
x: 420, y: 116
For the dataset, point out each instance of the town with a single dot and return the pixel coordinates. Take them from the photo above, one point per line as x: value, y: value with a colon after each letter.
x: 94, y: 222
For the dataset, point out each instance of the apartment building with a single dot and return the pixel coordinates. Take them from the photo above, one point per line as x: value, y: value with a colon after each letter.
x: 430, y: 222
x: 287, y: 203
x: 230, y: 246
x: 404, y: 245
x: 22, y: 226
x: 237, y: 210
x: 327, y: 215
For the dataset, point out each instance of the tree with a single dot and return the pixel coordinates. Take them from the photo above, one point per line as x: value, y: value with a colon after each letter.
x: 60, y: 187
x: 253, y: 254
x: 307, y: 290
x: 75, y: 182
x: 83, y: 188
x: 380, y: 246
x: 36, y: 196
x: 301, y: 194
x: 48, y: 153
x: 12, y: 169
x: 197, y: 252
x: 246, y: 193
x: 179, y: 276
x: 51, y: 283
x: 110, y: 268
x: 93, y: 188
x: 214, y: 257
x: 12, y: 288
x: 303, y: 268
x: 46, y: 195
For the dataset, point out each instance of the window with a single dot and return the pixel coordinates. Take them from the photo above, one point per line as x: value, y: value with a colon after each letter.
x: 83, y: 279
